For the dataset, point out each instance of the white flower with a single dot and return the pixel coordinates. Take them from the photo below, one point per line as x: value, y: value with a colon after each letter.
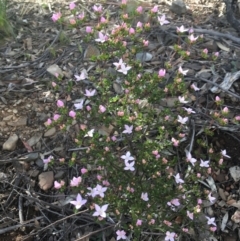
x: 127, y: 157
x: 190, y: 158
x: 182, y: 120
x: 99, y: 190
x: 128, y: 129
x: 129, y: 166
x: 89, y: 93
x: 79, y: 105
x: 90, y: 133
x: 82, y: 76
x: 101, y: 37
x: 182, y: 99
x: 121, y: 234
x: 224, y: 153
x: 92, y: 192
x: 124, y: 69
x: 190, y: 215
x: 169, y: 236
x: 182, y: 29
x: 101, y: 211
x: 178, y: 179
x: 211, y: 199
x: 191, y: 38
x: 119, y: 63
x: 189, y: 110
x: 211, y: 221
x: 144, y: 196
x: 204, y: 163
x: 163, y: 20
x: 181, y: 71
x: 79, y: 202
x: 193, y: 86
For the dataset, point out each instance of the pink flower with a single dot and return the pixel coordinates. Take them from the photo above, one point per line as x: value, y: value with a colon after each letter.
x: 72, y: 114
x: 145, y: 42
x: 161, y: 73
x: 102, y: 109
x: 120, y: 113
x: 113, y: 138
x: 225, y: 110
x: 72, y: 21
x: 103, y: 20
x: 49, y: 121
x: 84, y: 170
x: 97, y: 9
x: 106, y: 183
x: 54, y: 84
x: 57, y: 185
x: 56, y: 117
x: 213, y: 229
x: 139, y: 9
x: 139, y: 222
x: 167, y: 223
x: 81, y: 16
x: 60, y: 103
x: 131, y: 31
x: 75, y: 181
x: 205, y: 51
x: 56, y: 17
x: 216, y: 54
x: 175, y: 142
x: 121, y: 234
x: 124, y: 2
x: 89, y: 29
x: 152, y: 221
x: 139, y: 24
x: 154, y: 9
x: 72, y: 6
x: 217, y: 99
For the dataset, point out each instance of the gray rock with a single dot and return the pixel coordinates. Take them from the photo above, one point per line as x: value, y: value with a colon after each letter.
x: 178, y: 7
x: 50, y: 132
x: 21, y: 121
x: 46, y: 180
x: 11, y: 143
